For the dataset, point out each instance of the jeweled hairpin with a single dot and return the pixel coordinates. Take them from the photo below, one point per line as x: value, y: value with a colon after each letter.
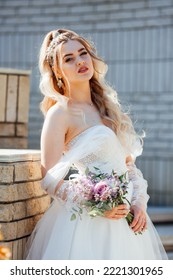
x: 51, y: 47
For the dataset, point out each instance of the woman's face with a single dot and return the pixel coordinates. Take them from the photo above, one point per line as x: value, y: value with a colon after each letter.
x: 75, y: 62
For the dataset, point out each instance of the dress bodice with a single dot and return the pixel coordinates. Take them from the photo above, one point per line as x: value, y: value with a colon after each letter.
x: 102, y: 150
x: 97, y: 146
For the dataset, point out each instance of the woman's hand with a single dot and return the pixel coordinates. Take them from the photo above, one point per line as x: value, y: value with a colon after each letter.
x: 139, y: 223
x: 117, y: 213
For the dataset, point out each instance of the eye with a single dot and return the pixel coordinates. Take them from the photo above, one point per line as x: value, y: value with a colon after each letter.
x: 68, y: 59
x: 84, y: 53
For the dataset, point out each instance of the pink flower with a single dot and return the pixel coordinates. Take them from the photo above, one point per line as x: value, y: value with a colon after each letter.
x: 101, y: 190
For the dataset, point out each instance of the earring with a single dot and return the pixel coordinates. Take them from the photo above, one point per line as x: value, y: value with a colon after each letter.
x: 59, y: 82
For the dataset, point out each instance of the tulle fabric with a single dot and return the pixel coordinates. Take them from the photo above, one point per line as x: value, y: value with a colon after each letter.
x: 57, y: 237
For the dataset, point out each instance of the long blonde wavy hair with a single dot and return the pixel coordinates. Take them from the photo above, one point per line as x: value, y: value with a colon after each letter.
x: 103, y: 95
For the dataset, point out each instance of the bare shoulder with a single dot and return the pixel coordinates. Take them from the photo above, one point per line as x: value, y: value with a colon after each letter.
x: 57, y: 113
x: 53, y: 136
x: 57, y: 116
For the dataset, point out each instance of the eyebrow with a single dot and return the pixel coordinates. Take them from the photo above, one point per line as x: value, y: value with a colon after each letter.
x: 72, y: 53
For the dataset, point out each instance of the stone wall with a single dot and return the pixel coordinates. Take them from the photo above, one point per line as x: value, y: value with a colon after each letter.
x: 22, y: 200
x: 14, y: 108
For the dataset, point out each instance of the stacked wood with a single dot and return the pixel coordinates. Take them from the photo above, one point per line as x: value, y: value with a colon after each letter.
x: 14, y: 108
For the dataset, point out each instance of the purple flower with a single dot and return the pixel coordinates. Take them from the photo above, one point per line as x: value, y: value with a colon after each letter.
x: 101, y: 191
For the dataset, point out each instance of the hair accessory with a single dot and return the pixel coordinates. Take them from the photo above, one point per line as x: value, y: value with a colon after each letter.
x: 51, y: 48
x: 59, y: 82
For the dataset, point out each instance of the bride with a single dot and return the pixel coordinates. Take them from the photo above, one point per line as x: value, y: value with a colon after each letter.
x: 85, y: 127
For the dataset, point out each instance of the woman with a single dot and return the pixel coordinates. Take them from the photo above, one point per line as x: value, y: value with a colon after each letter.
x: 85, y: 126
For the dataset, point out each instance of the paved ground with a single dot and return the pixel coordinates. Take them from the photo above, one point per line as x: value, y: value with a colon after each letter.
x: 162, y: 218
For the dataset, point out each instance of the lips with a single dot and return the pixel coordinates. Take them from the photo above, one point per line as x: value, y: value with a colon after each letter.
x: 83, y: 69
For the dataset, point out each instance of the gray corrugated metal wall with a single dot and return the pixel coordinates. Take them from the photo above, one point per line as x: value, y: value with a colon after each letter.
x: 135, y: 38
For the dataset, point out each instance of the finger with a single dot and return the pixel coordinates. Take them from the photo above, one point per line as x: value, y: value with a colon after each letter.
x: 138, y: 225
x: 135, y: 221
x: 145, y: 226
x: 113, y: 217
x: 116, y: 211
x: 121, y: 212
x: 122, y: 207
x: 137, y: 228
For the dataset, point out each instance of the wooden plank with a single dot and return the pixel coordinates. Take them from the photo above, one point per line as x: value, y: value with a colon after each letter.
x: 15, y: 71
x: 7, y: 129
x: 13, y: 143
x: 11, y: 98
x: 23, y: 100
x: 3, y: 85
x: 22, y: 129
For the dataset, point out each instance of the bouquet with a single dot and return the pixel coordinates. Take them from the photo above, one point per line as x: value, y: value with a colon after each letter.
x: 99, y: 192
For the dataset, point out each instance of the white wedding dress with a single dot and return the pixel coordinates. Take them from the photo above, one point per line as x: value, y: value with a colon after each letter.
x: 57, y: 237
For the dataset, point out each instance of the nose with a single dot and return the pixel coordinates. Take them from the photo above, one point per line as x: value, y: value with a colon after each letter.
x: 80, y: 61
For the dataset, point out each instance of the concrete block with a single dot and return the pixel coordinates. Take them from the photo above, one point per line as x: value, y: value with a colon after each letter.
x: 7, y: 12
x: 12, y: 211
x: 70, y: 2
x: 43, y: 3
x: 121, y: 15
x: 167, y: 11
x: 150, y: 13
x: 52, y: 10
x: 30, y: 11
x: 82, y: 9
x: 132, y: 5
x: 3, y: 85
x: 94, y: 17
x: 105, y: 7
x: 107, y: 25
x: 20, y: 210
x: 8, y: 193
x: 27, y: 171
x: 6, y: 173
x: 132, y: 23
x: 20, y: 191
x: 18, y: 229
x: 37, y: 206
x: 17, y: 3
x: 159, y: 21
x: 159, y: 3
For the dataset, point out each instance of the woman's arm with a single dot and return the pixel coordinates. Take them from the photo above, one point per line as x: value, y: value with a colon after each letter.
x: 53, y: 137
x: 139, y: 197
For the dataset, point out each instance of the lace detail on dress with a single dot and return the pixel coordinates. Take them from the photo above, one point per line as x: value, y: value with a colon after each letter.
x: 88, y: 159
x: 140, y: 185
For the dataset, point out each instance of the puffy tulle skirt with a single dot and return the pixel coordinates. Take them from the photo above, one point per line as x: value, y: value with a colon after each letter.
x: 56, y: 237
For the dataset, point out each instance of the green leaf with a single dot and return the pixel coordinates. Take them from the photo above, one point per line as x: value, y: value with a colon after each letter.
x: 87, y: 171
x: 88, y: 203
x: 73, y: 217
x: 74, y: 209
x: 107, y: 207
x: 96, y: 168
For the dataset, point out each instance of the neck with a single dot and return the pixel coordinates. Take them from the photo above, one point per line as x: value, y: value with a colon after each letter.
x: 81, y: 93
